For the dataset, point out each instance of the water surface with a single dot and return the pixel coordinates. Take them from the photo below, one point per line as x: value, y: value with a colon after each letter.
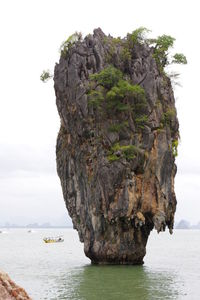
x: 61, y: 270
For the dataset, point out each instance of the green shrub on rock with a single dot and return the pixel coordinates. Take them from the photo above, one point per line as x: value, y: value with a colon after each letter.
x: 66, y: 45
x: 138, y: 35
x: 119, y: 94
x: 175, y: 148
x: 95, y: 98
x: 168, y: 116
x: 46, y: 75
x: 124, y: 95
x: 161, y: 51
x: 128, y: 152
x: 162, y: 45
x: 108, y: 77
x: 179, y: 58
x: 118, y: 127
x: 141, y: 121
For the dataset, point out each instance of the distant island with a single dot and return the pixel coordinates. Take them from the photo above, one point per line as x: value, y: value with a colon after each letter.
x: 183, y: 224
x: 35, y: 225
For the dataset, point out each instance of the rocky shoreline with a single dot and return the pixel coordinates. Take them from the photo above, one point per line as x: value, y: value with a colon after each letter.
x: 9, y: 290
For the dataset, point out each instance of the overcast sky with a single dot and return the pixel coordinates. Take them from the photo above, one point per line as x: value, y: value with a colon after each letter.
x: 31, y: 33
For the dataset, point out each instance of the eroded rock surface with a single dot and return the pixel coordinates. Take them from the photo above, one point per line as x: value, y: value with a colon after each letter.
x: 116, y: 165
x: 9, y: 290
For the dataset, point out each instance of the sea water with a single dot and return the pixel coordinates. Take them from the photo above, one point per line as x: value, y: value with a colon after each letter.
x: 171, y: 267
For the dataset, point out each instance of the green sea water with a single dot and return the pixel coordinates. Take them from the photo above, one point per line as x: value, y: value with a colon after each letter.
x: 61, y: 271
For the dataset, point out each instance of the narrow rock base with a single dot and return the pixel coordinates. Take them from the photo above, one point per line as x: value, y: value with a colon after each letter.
x: 125, y: 248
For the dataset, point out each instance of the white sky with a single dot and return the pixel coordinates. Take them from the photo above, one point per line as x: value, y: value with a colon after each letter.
x: 31, y: 32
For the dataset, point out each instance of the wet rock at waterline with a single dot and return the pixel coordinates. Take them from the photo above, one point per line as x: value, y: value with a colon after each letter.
x: 116, y: 145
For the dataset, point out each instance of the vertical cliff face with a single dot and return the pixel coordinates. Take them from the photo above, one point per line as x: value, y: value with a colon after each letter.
x: 116, y: 146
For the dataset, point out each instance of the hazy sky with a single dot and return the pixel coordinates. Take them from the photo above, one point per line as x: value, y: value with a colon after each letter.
x: 31, y: 33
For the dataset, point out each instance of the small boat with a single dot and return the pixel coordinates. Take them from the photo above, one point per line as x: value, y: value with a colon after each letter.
x: 56, y: 239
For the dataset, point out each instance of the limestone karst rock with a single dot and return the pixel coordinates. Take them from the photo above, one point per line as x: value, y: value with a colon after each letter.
x: 116, y: 146
x: 9, y: 290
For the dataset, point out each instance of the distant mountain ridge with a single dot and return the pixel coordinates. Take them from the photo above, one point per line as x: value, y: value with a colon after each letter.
x: 184, y: 224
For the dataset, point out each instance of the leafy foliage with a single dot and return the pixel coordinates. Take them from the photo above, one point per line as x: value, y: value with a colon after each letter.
x: 113, y: 157
x: 95, y: 97
x: 72, y: 39
x: 46, y: 75
x: 125, y: 55
x: 116, y: 41
x: 108, y: 77
x: 115, y: 94
x: 168, y: 117
x: 164, y: 42
x: 179, y: 58
x: 124, y: 89
x: 118, y: 127
x: 175, y: 148
x: 128, y: 152
x: 141, y: 121
x: 162, y: 45
x: 138, y: 35
x: 121, y: 97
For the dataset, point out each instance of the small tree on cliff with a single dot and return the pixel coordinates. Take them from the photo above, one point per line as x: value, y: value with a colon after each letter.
x: 161, y: 51
x: 46, y: 75
x: 162, y: 44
